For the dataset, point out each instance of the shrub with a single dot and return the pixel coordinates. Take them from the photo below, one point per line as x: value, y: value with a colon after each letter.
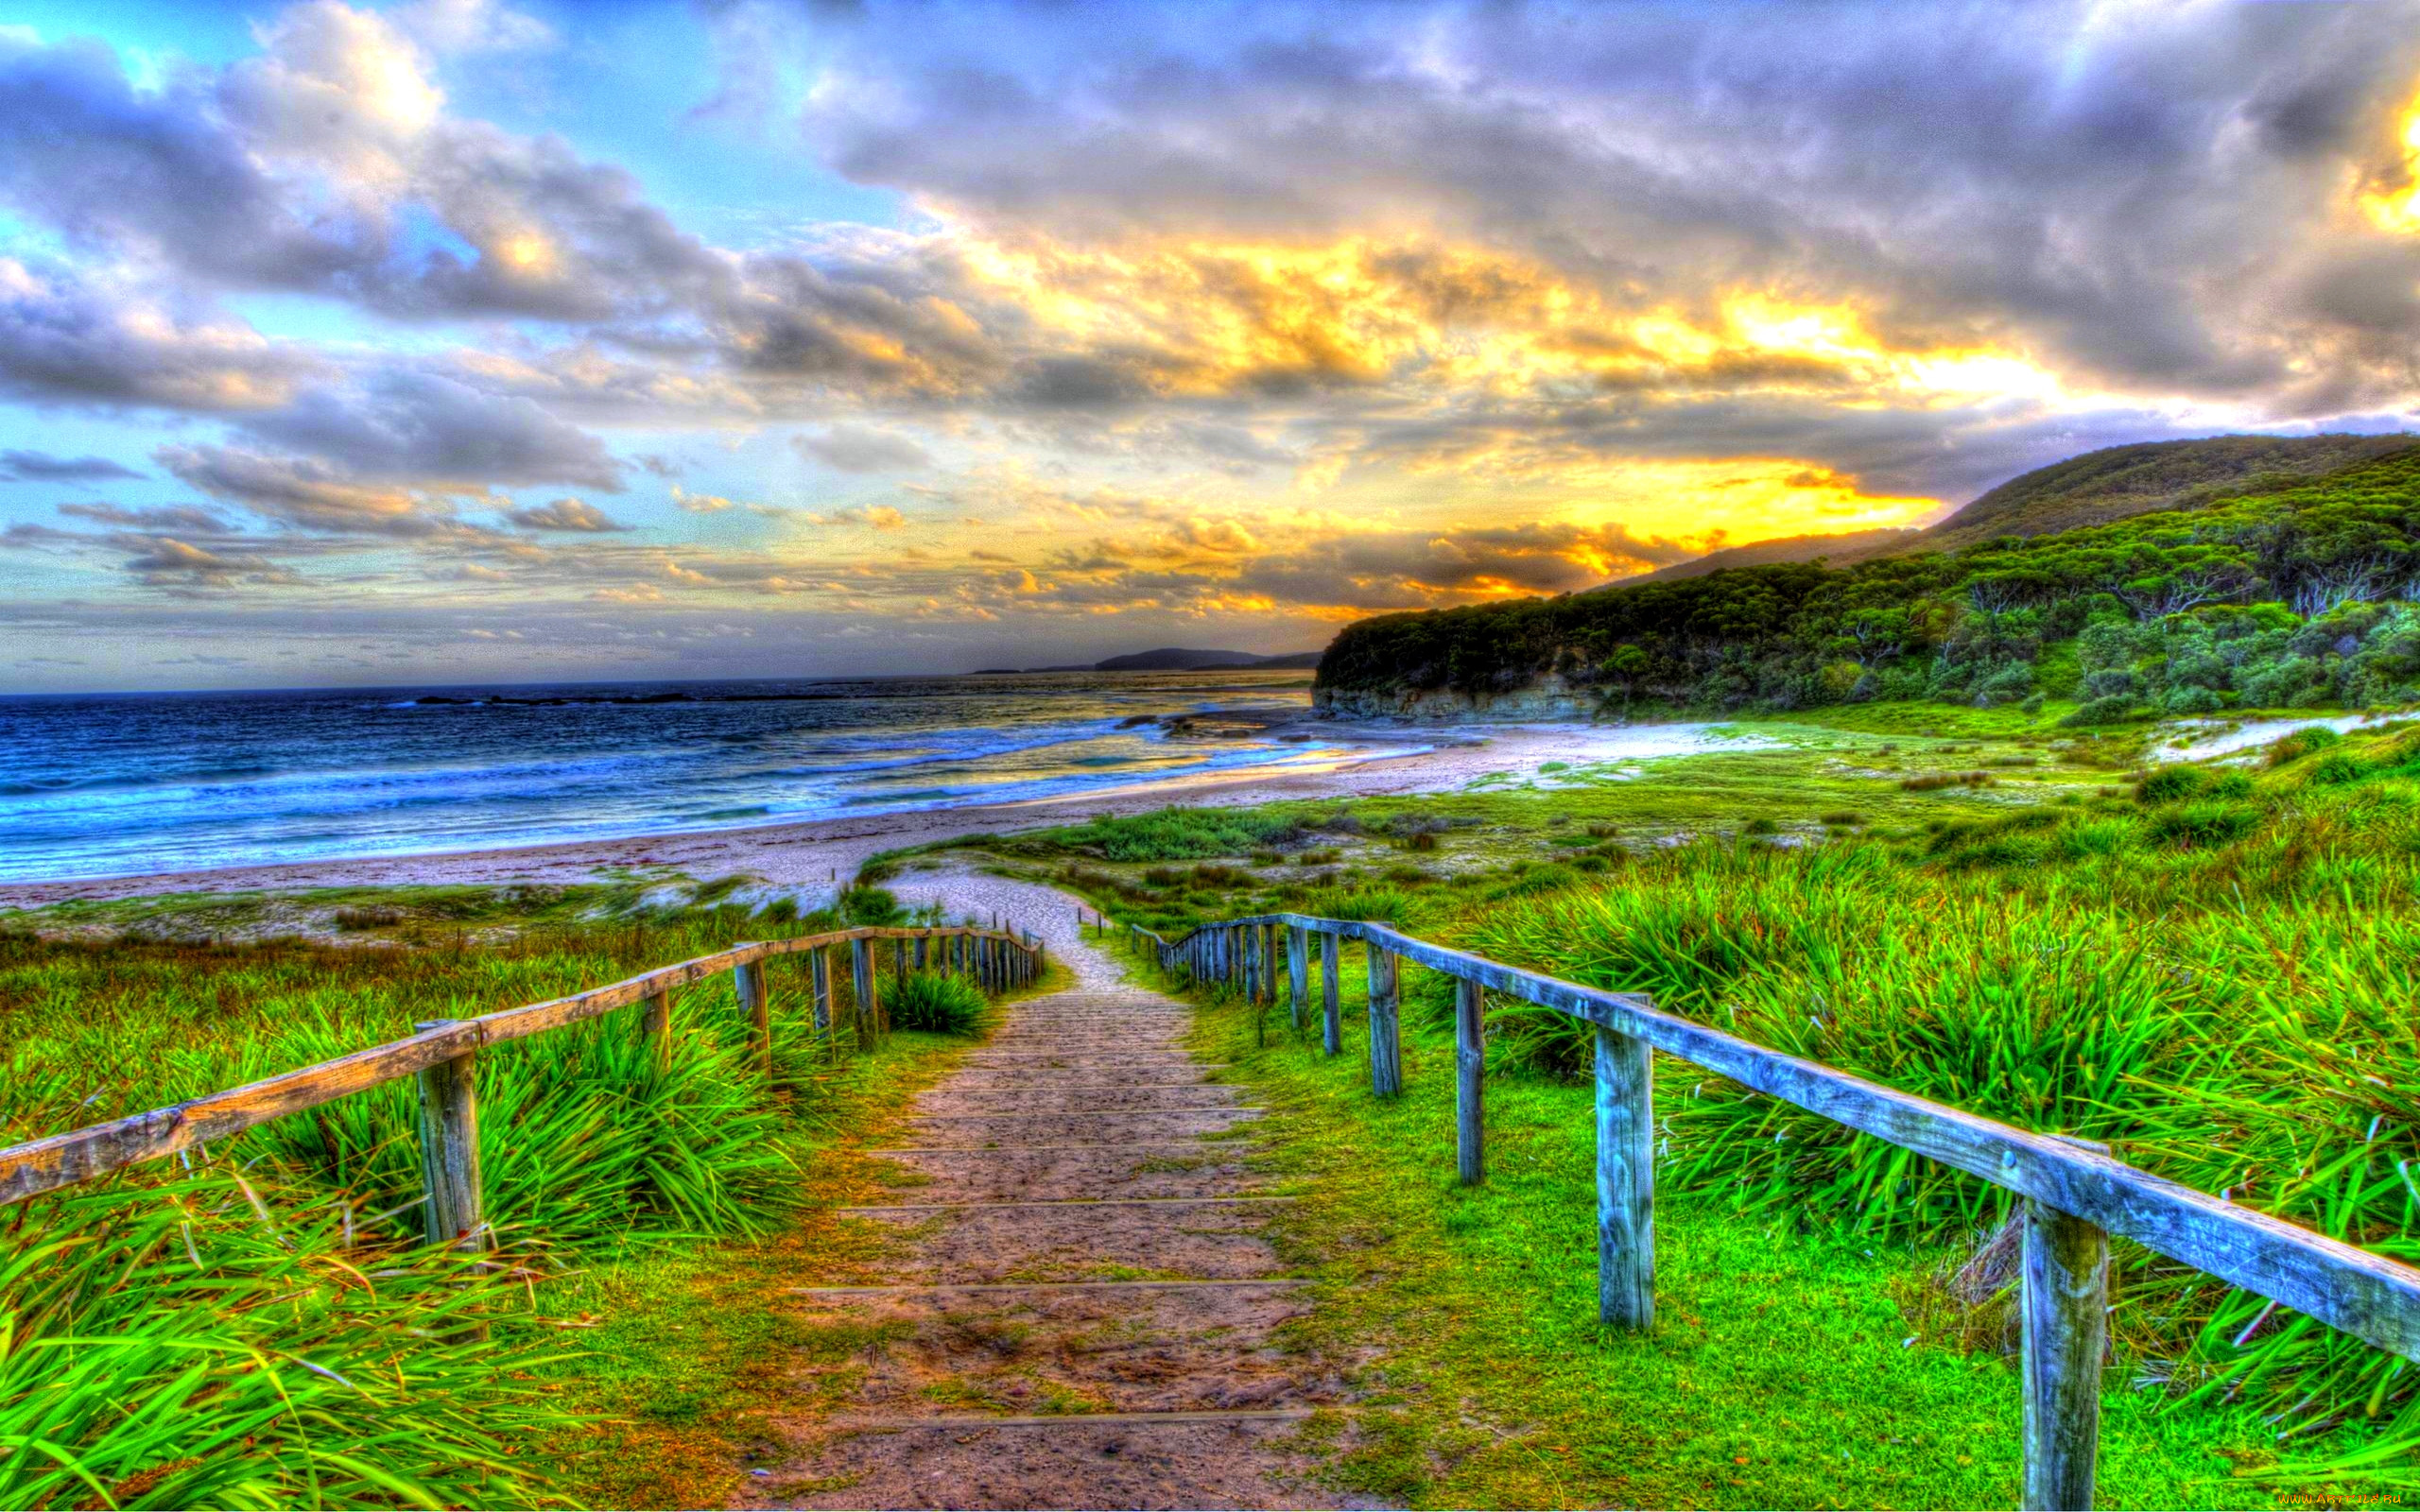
x: 1179, y: 835
x: 869, y: 906
x: 2106, y: 711
x: 2300, y: 743
x: 2169, y: 783
x: 1934, y: 781
x: 938, y: 1003
x: 2192, y: 700
x: 1846, y: 818
x: 2336, y: 768
x: 2211, y: 822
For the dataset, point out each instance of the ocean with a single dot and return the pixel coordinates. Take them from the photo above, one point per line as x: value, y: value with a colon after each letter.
x: 117, y: 784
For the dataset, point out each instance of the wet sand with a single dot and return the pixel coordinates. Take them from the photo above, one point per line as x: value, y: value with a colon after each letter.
x: 815, y: 853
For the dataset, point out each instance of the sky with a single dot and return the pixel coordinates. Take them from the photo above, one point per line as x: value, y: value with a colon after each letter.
x: 473, y: 341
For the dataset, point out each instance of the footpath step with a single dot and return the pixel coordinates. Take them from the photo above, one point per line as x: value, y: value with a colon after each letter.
x: 1086, y: 1309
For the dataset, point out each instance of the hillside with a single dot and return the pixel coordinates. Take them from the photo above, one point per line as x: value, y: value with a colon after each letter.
x: 2297, y: 596
x: 2117, y: 482
x: 1849, y: 546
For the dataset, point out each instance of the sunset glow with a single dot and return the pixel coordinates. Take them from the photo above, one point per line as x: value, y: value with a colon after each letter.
x: 726, y: 334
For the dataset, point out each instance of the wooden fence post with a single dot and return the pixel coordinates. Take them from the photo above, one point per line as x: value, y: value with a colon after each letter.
x: 861, y: 973
x: 1625, y: 1181
x: 1298, y: 972
x: 1331, y: 1010
x: 748, y: 980
x: 449, y: 1150
x: 2065, y: 1307
x: 819, y: 963
x: 924, y: 950
x: 1385, y: 1037
x: 1470, y: 1082
x: 655, y: 1027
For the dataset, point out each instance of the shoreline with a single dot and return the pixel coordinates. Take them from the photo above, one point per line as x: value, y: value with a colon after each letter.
x: 810, y: 854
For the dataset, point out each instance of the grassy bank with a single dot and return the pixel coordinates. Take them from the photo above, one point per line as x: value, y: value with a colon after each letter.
x: 260, y: 1325
x: 2208, y: 967
x: 1781, y: 1372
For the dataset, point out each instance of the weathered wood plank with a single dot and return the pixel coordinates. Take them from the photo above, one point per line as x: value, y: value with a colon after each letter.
x: 452, y: 1208
x: 1298, y: 975
x: 1385, y: 1030
x: 2370, y: 1297
x: 1330, y: 1010
x: 756, y: 1007
x: 1470, y: 1083
x: 2065, y: 1303
x: 861, y: 975
x: 819, y: 971
x: 655, y: 1027
x: 80, y: 1155
x: 1625, y: 1181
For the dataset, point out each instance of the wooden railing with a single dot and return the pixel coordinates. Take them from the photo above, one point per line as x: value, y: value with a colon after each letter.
x: 2075, y: 1193
x: 444, y: 1056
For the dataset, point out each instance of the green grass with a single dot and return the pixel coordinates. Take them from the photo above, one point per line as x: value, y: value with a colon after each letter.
x: 1780, y: 1372
x: 2206, y: 965
x: 258, y: 1323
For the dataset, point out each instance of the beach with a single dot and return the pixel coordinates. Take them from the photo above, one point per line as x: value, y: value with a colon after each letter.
x: 810, y: 857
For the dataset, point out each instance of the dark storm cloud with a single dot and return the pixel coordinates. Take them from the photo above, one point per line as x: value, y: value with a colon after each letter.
x: 40, y: 467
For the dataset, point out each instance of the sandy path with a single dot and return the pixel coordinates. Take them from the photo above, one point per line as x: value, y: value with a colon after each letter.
x: 1087, y: 1312
x: 809, y: 856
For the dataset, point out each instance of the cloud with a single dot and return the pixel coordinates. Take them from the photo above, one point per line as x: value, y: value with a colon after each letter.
x: 565, y: 515
x: 169, y: 563
x: 184, y: 519
x: 106, y: 339
x: 305, y: 492
x: 699, y: 502
x: 861, y: 449
x: 40, y: 467
x: 438, y: 431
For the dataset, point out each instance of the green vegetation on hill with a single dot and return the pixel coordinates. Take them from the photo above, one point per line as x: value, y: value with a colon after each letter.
x: 2120, y: 481
x: 2296, y: 598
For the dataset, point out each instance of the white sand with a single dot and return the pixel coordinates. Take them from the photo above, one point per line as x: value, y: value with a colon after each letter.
x: 2181, y: 745
x: 806, y: 857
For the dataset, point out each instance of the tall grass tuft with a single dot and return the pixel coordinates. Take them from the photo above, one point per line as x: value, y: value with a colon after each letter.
x: 939, y: 1003
x: 261, y: 1326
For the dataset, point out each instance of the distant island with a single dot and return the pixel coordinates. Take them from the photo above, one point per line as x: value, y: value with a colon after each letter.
x: 1177, y: 659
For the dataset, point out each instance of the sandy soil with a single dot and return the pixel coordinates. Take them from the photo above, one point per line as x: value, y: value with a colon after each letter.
x: 1013, y: 1358
x: 810, y: 857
